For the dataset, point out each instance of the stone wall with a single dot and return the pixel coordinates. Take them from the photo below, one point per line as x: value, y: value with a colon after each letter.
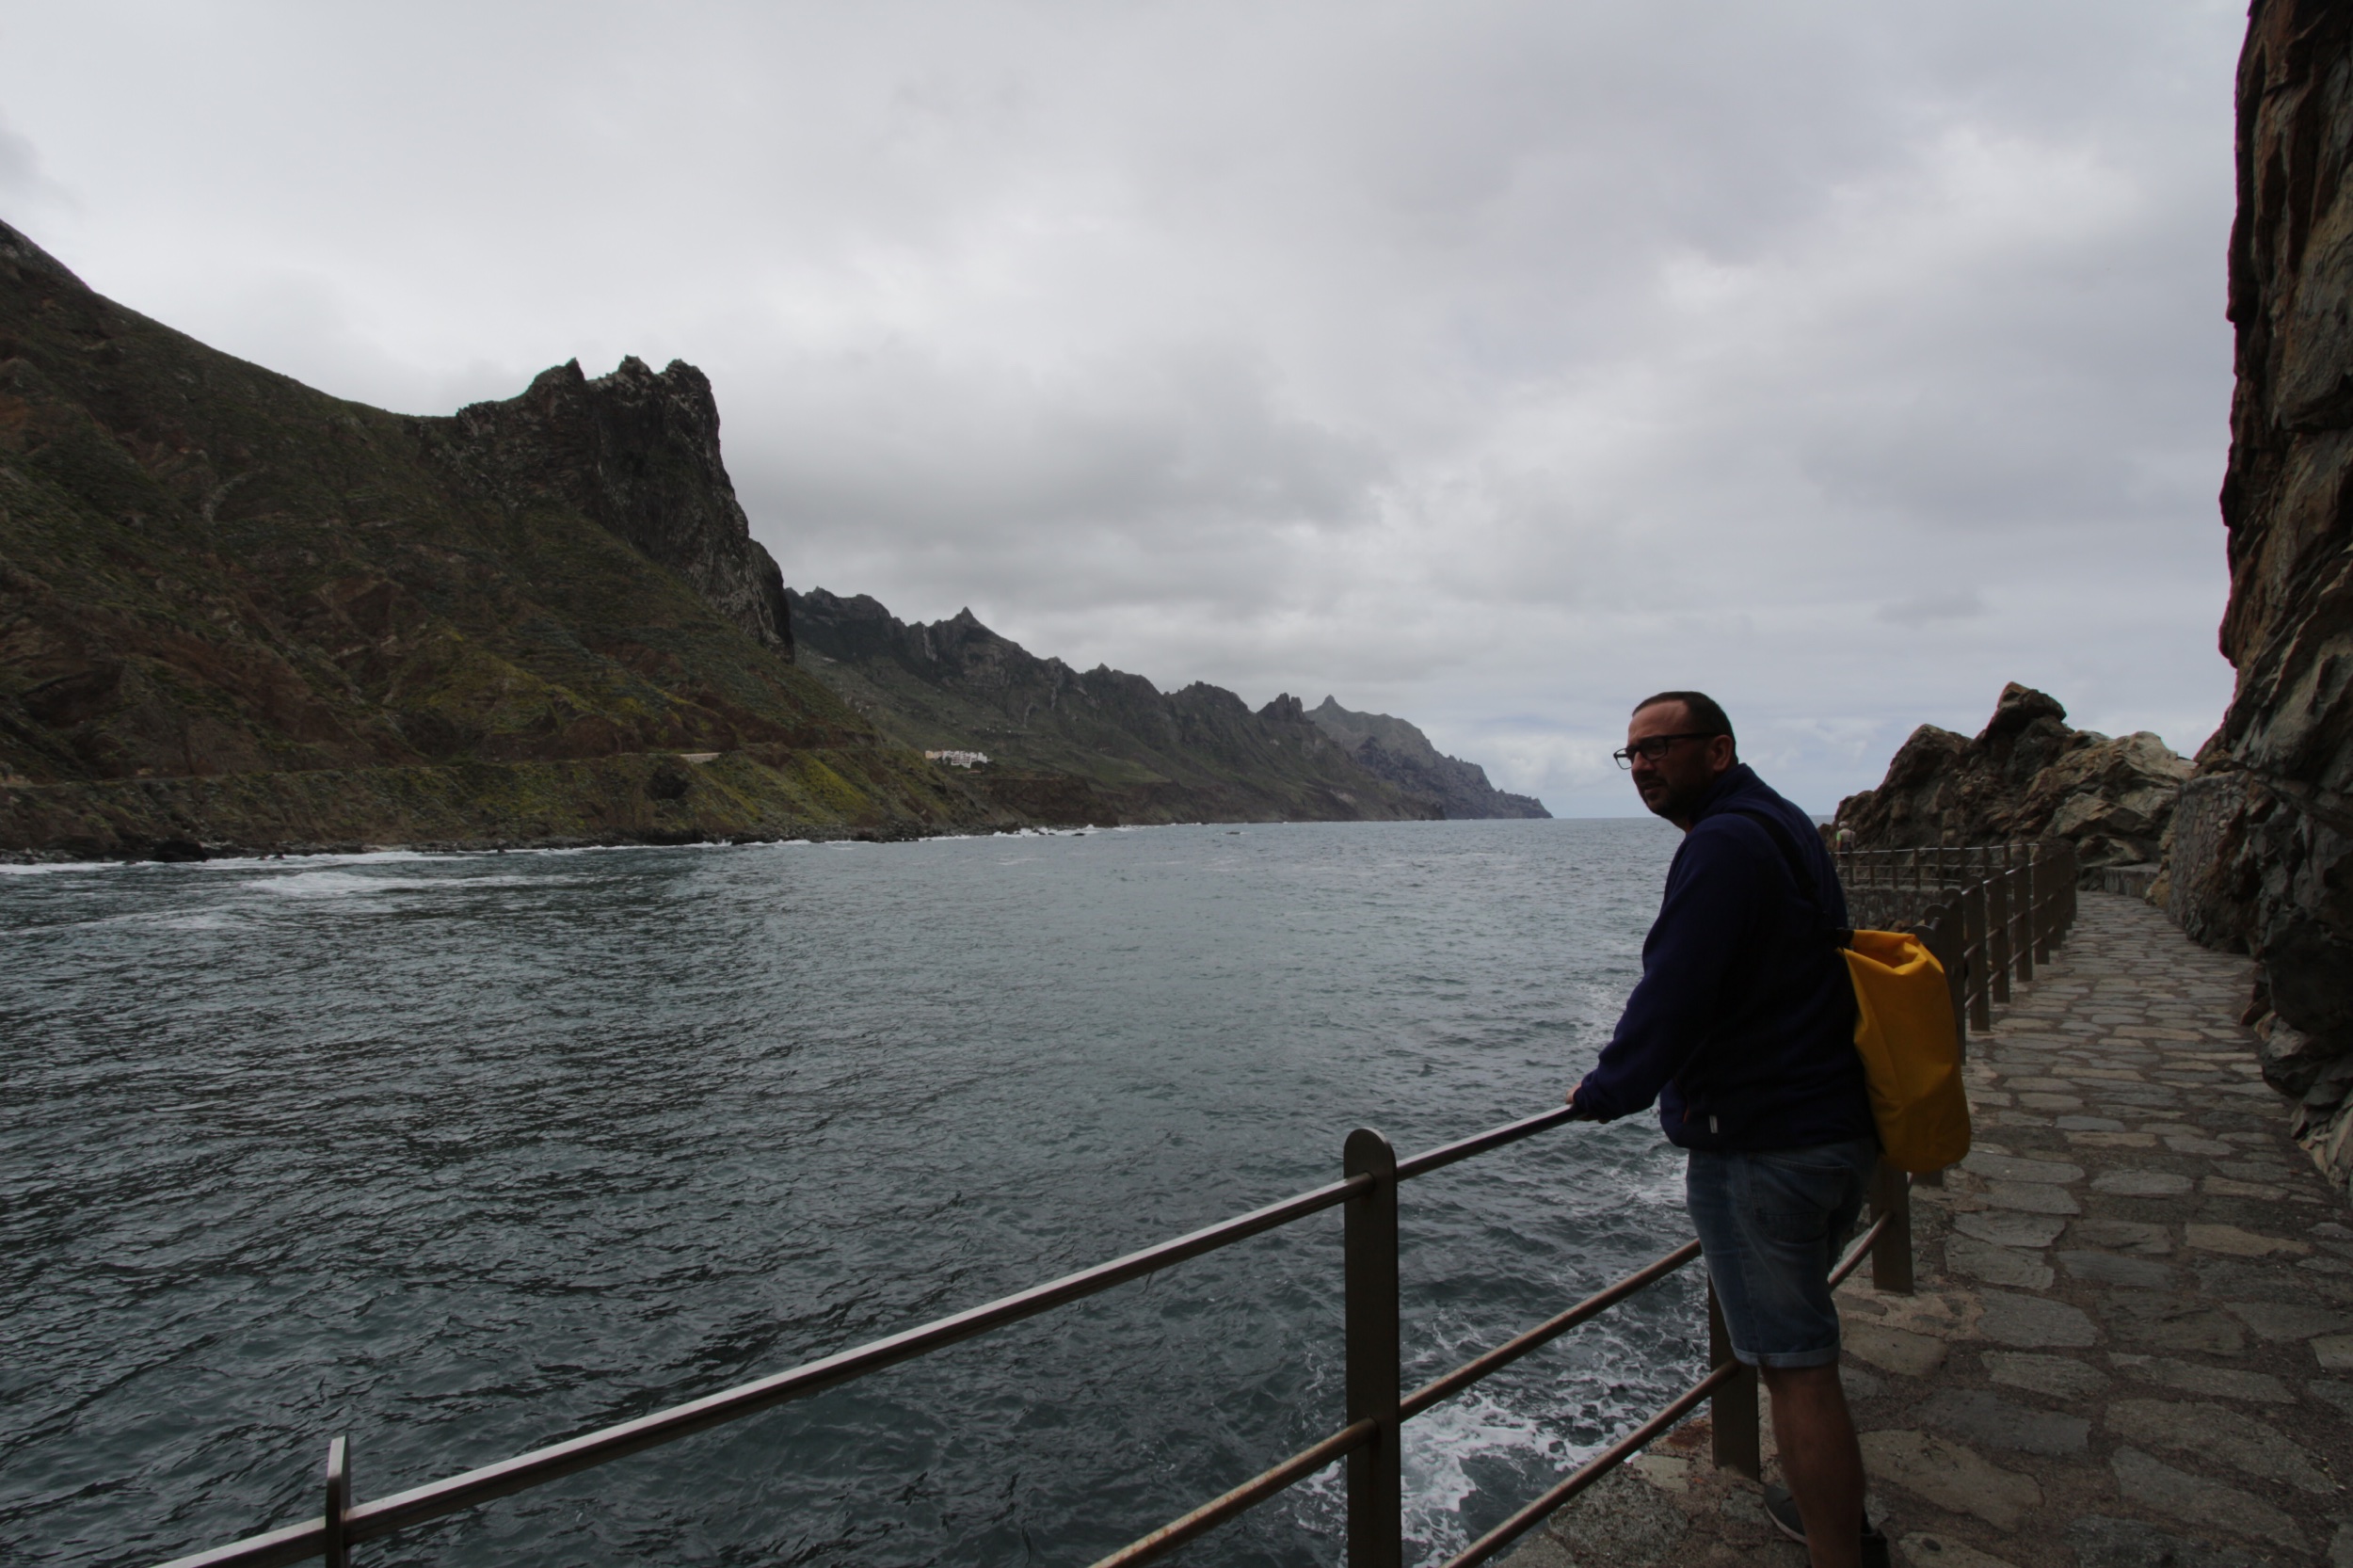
x: 2262, y: 854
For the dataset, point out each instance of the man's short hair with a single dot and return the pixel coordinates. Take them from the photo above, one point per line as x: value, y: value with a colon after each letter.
x: 1707, y: 715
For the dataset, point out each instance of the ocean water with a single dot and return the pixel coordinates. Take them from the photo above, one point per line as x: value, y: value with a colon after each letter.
x: 461, y: 1155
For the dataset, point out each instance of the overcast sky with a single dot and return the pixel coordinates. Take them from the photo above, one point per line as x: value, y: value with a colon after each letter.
x: 1490, y: 364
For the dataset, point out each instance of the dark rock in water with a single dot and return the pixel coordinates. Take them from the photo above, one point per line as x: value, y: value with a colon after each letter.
x: 1393, y: 749
x: 1099, y: 745
x: 236, y: 611
x: 2026, y: 775
x: 2262, y: 849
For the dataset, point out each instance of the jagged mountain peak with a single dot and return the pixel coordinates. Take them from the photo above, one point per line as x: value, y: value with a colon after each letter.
x: 638, y: 451
x: 1398, y: 751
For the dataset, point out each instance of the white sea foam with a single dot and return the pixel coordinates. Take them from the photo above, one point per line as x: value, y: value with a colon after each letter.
x: 1441, y: 1447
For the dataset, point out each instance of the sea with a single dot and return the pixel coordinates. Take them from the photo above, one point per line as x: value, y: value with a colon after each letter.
x: 458, y: 1155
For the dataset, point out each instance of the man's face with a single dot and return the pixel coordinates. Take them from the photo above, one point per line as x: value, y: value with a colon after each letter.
x: 1674, y: 786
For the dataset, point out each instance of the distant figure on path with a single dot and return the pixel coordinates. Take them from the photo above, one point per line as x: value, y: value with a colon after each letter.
x: 1742, y: 1030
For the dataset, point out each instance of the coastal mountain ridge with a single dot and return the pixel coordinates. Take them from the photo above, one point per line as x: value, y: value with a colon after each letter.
x: 1100, y: 744
x: 1392, y: 748
x: 237, y: 613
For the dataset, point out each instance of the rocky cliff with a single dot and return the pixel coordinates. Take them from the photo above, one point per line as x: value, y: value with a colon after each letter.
x: 235, y: 610
x: 1096, y: 745
x: 2025, y: 776
x: 638, y: 452
x: 1391, y: 748
x: 2262, y: 852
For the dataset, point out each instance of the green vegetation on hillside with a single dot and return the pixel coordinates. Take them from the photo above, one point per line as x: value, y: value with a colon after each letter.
x: 210, y: 572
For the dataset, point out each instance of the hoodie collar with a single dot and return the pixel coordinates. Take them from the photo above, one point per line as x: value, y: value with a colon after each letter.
x: 1737, y: 778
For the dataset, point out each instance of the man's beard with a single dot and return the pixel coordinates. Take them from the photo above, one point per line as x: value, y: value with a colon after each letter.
x: 1680, y: 803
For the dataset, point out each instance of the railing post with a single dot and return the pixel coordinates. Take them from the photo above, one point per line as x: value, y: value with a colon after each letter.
x: 1943, y: 934
x: 1974, y: 956
x: 1731, y: 1415
x: 2039, y: 882
x: 2041, y: 941
x: 2022, y: 901
x: 337, y: 1553
x: 1997, y: 934
x: 1891, y: 1254
x: 1376, y: 1472
x: 1948, y: 940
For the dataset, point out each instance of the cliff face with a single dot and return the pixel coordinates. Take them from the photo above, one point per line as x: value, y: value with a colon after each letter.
x: 2263, y: 857
x: 211, y: 573
x: 1391, y: 748
x: 2025, y: 776
x: 638, y: 452
x: 1098, y: 745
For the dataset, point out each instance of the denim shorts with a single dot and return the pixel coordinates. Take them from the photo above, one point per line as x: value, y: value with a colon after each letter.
x: 1771, y: 1226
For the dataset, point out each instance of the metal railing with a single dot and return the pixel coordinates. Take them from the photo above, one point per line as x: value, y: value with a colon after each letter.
x: 1989, y: 912
x: 1375, y: 1408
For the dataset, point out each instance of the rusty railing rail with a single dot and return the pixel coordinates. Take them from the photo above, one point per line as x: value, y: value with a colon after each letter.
x: 1368, y: 1440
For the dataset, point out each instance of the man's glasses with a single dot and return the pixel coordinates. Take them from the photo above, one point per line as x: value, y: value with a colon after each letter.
x: 1650, y: 748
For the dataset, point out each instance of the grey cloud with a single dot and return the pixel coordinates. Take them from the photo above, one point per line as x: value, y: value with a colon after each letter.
x: 1957, y: 604
x: 23, y: 182
x: 20, y: 165
x: 1490, y: 363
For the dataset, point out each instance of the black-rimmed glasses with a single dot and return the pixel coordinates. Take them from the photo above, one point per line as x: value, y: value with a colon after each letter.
x: 1650, y: 748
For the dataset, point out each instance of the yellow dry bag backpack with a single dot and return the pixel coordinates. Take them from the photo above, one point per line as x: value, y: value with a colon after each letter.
x: 1904, y: 1031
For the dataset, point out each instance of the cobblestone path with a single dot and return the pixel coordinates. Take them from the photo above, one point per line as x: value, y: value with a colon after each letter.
x: 2132, y: 1342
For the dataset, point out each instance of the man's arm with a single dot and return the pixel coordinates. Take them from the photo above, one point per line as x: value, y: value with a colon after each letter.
x: 1708, y: 918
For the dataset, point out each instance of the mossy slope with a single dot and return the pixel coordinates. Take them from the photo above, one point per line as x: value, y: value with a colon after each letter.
x: 236, y: 610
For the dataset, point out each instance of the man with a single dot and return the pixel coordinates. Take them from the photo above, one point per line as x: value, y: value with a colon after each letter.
x: 1742, y: 1029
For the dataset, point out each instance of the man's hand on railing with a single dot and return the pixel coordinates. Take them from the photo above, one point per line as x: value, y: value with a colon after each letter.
x: 1570, y: 1100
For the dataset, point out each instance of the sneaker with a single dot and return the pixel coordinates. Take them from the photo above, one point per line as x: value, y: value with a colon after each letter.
x: 1782, y: 1508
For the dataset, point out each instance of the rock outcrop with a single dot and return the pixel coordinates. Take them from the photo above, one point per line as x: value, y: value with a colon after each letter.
x: 215, y: 581
x: 2262, y: 852
x: 1098, y: 745
x: 639, y: 453
x: 1391, y: 748
x: 2025, y: 776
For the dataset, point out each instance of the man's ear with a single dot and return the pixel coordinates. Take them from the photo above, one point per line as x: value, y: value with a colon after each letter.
x: 1723, y: 752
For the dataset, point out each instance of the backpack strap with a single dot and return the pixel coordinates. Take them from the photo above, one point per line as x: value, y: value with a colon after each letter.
x: 1799, y: 872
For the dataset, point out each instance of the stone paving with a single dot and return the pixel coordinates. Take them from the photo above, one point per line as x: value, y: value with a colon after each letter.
x: 2132, y: 1342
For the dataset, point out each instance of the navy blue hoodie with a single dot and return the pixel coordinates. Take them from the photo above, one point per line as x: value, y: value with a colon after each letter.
x: 1742, y: 1026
